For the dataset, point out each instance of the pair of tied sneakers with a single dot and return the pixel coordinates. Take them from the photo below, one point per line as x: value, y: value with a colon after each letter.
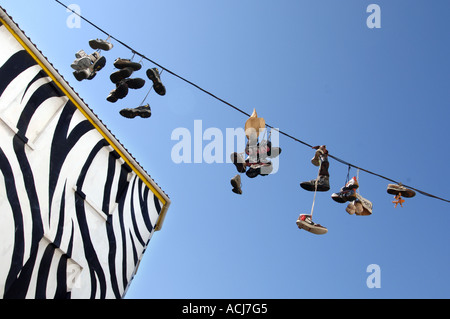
x: 255, y: 169
x: 347, y: 193
x: 122, y: 79
x: 305, y: 222
x: 127, y: 68
x: 86, y: 66
x: 360, y: 206
x: 322, y: 182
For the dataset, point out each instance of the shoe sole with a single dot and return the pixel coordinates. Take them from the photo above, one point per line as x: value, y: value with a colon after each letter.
x: 122, y: 74
x: 81, y: 64
x: 312, y: 229
x: 408, y: 193
x: 100, y: 46
x: 253, y: 172
x: 132, y: 113
x: 135, y: 84
x: 342, y: 199
x: 309, y: 187
x: 157, y: 84
x: 99, y: 64
x: 127, y: 64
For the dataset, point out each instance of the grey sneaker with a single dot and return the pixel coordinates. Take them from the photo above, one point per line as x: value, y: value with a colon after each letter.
x: 142, y: 111
x: 99, y: 44
x: 81, y: 64
x: 82, y: 61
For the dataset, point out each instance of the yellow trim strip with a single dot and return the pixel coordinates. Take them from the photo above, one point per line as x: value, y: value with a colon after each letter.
x: 50, y: 74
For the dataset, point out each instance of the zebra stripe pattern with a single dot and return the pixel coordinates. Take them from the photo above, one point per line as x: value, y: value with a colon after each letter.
x: 75, y: 218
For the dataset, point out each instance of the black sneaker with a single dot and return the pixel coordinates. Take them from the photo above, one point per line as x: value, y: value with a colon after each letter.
x: 135, y: 84
x: 262, y: 169
x: 121, y: 89
x: 119, y: 92
x: 344, y: 196
x: 121, y: 75
x: 112, y: 97
x: 323, y: 184
x: 126, y: 63
x: 81, y: 74
x: 153, y: 75
x: 142, y: 111
x: 99, y: 64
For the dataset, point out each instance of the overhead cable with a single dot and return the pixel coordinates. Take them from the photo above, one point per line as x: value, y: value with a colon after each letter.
x: 240, y: 110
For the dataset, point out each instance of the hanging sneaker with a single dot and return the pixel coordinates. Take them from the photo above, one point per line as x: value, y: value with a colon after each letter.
x: 358, y: 206
x: 262, y: 169
x: 351, y: 184
x: 320, y: 151
x: 239, y: 162
x: 236, y: 183
x: 323, y: 184
x: 366, y: 206
x: 99, y: 44
x: 273, y: 152
x: 305, y: 222
x: 121, y: 74
x: 135, y: 84
x: 81, y: 64
x: 98, y: 62
x: 344, y: 196
x: 153, y: 75
x: 395, y: 189
x: 120, y: 92
x: 142, y: 111
x: 82, y: 61
x: 126, y: 63
x: 81, y: 75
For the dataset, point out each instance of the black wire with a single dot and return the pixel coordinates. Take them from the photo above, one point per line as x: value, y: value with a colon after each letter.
x: 241, y: 111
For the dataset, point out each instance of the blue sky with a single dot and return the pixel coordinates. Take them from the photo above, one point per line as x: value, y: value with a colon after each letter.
x: 378, y: 98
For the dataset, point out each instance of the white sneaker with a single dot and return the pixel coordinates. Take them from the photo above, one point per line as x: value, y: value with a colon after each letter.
x: 305, y: 222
